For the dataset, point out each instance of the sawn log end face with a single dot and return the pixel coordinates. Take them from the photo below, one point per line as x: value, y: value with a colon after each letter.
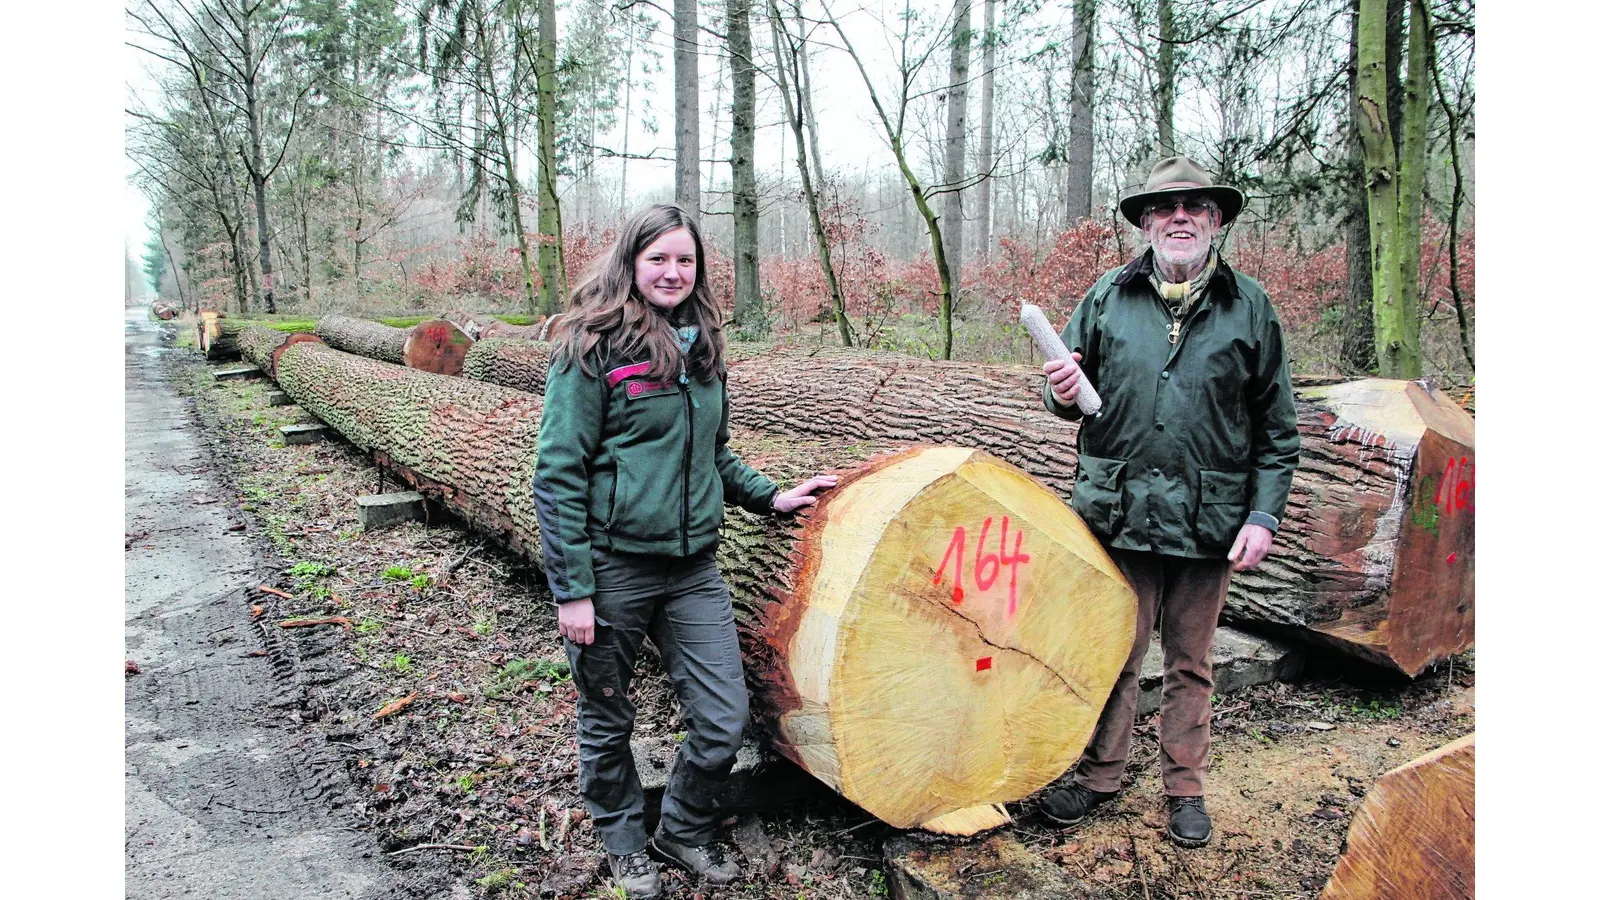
x: 1406, y: 470
x: 960, y: 630
x: 436, y: 346
x: 1413, y: 835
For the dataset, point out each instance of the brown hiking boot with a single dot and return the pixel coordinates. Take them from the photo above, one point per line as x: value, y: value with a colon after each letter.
x: 636, y: 874
x: 706, y: 862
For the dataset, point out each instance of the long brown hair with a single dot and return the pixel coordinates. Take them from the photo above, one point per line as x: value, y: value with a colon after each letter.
x: 608, y: 313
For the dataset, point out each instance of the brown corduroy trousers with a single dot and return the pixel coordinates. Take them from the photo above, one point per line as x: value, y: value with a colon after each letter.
x: 1188, y: 595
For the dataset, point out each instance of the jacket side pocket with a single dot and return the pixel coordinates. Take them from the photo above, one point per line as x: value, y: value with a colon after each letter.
x: 1097, y: 496
x: 1221, y: 510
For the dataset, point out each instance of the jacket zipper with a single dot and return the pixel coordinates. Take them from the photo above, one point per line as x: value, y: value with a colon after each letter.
x: 688, y: 454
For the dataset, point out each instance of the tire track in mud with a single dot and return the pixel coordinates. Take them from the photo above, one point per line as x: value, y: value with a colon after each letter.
x: 231, y: 790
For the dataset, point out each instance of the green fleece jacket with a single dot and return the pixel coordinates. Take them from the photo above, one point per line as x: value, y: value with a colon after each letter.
x: 634, y: 465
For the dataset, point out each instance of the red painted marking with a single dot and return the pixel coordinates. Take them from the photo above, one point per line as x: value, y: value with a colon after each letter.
x: 985, y: 663
x: 1451, y: 558
x: 957, y: 548
x: 986, y: 566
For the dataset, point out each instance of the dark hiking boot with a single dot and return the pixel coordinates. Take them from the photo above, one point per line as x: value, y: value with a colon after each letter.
x: 1073, y: 803
x: 705, y: 862
x: 1189, y: 825
x: 636, y: 874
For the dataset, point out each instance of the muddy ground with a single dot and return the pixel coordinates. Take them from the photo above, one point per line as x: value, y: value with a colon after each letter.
x: 473, y: 779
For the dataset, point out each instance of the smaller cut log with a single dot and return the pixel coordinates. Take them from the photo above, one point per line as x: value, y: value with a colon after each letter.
x: 507, y: 330
x: 1413, y: 835
x: 219, y: 338
x: 263, y: 346
x: 471, y: 324
x: 436, y: 346
x: 373, y: 340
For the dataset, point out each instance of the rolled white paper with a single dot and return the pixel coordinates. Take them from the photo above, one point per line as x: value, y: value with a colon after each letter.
x: 1050, y: 345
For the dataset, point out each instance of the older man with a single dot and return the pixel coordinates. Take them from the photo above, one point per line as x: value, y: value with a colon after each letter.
x: 1184, y: 473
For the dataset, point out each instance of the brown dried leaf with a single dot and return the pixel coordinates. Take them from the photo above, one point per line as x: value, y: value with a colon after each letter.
x: 394, y: 706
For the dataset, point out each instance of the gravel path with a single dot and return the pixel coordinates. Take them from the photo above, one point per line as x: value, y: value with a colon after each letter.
x: 222, y: 798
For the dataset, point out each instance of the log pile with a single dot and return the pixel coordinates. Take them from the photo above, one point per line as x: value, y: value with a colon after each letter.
x: 936, y: 638
x: 1413, y: 835
x: 1375, y: 554
x: 507, y: 330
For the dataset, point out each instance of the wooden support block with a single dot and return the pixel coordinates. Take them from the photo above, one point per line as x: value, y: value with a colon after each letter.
x: 382, y: 510
x: 304, y: 433
x: 236, y: 373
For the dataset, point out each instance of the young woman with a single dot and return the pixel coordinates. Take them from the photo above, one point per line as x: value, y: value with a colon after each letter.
x: 632, y: 476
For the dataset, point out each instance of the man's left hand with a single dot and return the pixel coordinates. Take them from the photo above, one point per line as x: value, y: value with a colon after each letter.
x: 1250, y: 547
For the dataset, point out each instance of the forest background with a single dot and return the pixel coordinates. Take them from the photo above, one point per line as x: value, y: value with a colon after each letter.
x: 898, y: 175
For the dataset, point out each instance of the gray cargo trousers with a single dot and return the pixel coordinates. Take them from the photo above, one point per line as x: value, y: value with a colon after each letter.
x: 683, y: 604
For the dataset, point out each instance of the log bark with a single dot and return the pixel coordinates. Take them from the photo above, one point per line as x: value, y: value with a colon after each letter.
x: 363, y: 338
x: 510, y: 362
x: 263, y: 346
x: 935, y: 638
x: 1413, y: 835
x: 1375, y: 557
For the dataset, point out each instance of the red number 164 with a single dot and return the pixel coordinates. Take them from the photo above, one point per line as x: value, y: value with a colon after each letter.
x: 985, y: 566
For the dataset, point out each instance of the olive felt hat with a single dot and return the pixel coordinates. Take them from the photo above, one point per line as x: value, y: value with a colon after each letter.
x: 1181, y: 175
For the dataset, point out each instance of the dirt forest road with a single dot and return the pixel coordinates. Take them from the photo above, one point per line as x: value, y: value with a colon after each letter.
x: 222, y: 800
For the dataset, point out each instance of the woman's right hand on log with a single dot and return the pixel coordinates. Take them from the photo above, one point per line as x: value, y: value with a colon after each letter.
x: 1063, y: 377
x: 575, y: 620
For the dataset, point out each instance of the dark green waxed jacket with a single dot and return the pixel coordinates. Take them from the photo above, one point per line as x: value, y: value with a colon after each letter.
x: 631, y: 464
x: 1194, y: 439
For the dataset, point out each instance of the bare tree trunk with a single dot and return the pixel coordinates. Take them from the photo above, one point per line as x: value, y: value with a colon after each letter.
x: 257, y: 165
x: 789, y: 70
x: 1413, y: 175
x: 1383, y: 178
x: 686, y: 68
x: 1356, y: 347
x: 1166, y: 79
x: 985, y: 195
x: 627, y: 118
x: 177, y: 276
x: 1456, y: 198
x: 747, y: 312
x: 955, y: 139
x: 552, y: 263
x: 813, y: 134
x: 1080, y: 127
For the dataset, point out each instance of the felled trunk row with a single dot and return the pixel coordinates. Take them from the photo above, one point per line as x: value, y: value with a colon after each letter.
x: 935, y: 639
x: 436, y: 346
x: 1375, y: 554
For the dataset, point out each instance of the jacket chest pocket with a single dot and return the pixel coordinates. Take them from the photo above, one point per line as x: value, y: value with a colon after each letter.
x: 1221, y: 510
x: 1097, y: 496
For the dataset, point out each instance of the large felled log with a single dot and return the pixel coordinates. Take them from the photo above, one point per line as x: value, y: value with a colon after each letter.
x: 435, y: 346
x: 1413, y: 835
x: 262, y: 346
x: 1375, y: 554
x: 936, y: 638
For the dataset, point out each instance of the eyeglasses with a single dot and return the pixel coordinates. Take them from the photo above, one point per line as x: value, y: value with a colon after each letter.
x: 1195, y: 206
